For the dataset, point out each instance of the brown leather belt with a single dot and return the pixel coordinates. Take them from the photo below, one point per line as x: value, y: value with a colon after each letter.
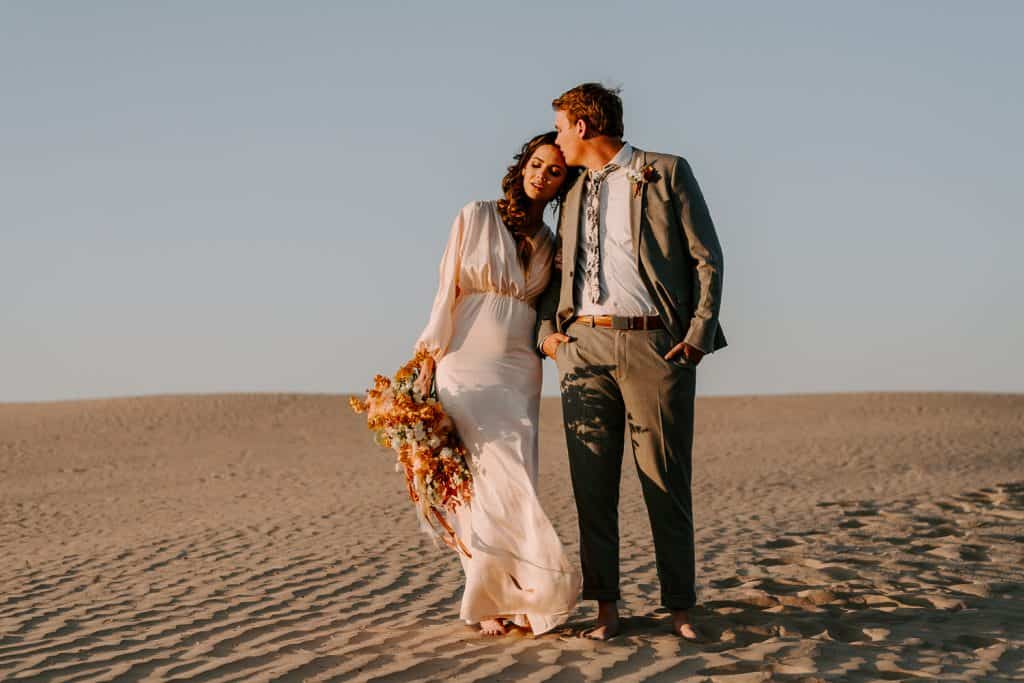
x: 615, y: 322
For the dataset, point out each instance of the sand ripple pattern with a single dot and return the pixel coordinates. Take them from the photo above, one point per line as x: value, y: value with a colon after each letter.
x: 259, y: 538
x: 912, y: 589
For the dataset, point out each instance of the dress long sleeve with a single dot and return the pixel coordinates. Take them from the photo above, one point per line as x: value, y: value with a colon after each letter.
x: 438, y: 333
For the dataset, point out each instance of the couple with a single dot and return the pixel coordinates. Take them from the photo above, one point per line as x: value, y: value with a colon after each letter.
x: 625, y: 300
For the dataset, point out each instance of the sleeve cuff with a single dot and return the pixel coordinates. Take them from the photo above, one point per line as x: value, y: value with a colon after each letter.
x: 701, y: 335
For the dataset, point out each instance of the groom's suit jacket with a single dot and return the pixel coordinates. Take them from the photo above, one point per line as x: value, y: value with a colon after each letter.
x: 677, y: 251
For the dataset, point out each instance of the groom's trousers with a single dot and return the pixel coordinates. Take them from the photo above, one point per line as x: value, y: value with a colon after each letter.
x: 612, y: 380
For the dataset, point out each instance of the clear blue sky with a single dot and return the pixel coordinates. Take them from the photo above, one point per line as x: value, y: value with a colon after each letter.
x: 253, y: 196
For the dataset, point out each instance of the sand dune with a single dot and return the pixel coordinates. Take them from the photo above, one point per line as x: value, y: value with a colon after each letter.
x: 263, y: 537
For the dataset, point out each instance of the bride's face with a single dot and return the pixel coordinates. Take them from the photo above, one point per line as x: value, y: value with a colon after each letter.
x: 544, y: 174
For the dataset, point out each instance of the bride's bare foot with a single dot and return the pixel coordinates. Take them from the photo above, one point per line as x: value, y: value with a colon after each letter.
x: 607, y: 622
x: 492, y: 627
x: 682, y: 627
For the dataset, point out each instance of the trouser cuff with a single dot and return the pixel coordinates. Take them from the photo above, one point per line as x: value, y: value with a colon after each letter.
x: 679, y: 601
x: 602, y: 595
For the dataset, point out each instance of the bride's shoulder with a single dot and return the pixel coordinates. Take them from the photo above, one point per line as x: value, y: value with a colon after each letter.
x: 480, y: 209
x: 480, y: 214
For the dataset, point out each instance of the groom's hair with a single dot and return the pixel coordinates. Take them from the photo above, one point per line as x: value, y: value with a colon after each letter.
x: 599, y: 106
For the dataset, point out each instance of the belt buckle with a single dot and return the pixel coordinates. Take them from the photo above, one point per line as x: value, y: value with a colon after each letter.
x: 619, y: 323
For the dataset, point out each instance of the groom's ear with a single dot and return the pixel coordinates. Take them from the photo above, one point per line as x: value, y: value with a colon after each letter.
x: 581, y: 128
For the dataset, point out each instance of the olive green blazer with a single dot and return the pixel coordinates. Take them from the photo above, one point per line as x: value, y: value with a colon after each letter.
x: 678, y: 255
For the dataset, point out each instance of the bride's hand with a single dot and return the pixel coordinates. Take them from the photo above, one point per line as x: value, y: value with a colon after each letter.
x: 552, y: 342
x: 426, y: 376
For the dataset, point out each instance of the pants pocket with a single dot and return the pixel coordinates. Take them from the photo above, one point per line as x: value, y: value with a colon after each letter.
x: 663, y: 343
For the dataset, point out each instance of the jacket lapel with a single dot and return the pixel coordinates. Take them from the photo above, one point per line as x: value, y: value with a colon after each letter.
x: 636, y: 201
x: 571, y: 225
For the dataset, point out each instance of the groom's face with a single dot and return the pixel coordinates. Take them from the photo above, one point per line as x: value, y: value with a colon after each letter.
x: 568, y: 138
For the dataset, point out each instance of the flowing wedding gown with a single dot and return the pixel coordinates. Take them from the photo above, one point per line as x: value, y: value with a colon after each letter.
x: 481, y: 333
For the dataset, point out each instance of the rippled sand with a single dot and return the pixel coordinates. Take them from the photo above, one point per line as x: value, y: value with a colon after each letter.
x: 263, y: 537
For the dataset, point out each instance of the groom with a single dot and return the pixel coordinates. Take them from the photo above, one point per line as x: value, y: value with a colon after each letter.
x: 635, y: 310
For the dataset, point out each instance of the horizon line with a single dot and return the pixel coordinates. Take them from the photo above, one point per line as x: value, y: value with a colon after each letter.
x: 345, y: 395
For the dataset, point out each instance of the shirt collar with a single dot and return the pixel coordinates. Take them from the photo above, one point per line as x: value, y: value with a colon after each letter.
x: 624, y: 156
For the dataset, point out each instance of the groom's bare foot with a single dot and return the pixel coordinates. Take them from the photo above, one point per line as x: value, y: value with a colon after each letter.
x: 492, y: 627
x: 607, y: 622
x: 682, y: 627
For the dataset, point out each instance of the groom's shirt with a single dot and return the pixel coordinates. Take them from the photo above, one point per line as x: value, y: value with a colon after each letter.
x: 622, y: 291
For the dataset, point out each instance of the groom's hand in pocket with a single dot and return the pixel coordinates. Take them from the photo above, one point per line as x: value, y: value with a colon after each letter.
x: 552, y: 342
x: 691, y: 353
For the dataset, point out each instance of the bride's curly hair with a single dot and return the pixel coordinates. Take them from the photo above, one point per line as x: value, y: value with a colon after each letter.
x: 513, y: 205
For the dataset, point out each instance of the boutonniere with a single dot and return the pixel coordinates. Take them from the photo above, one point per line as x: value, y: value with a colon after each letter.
x: 640, y: 178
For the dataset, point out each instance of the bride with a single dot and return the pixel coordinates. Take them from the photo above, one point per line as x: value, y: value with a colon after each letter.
x: 488, y: 375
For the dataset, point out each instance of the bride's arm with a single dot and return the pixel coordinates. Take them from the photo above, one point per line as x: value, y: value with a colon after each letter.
x: 547, y: 303
x: 438, y: 333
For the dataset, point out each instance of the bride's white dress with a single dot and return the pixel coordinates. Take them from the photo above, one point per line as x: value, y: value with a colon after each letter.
x: 481, y: 331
